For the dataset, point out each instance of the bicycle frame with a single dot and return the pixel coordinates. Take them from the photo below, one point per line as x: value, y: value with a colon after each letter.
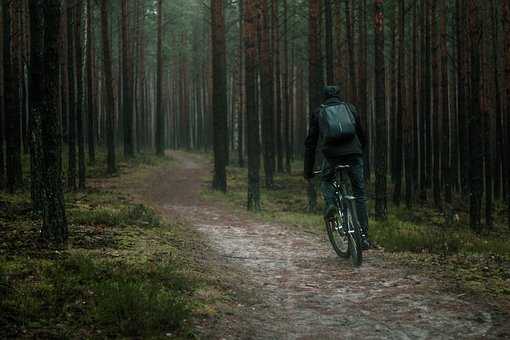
x: 341, y: 197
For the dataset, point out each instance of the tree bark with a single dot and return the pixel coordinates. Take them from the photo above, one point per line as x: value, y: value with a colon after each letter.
x: 250, y: 9
x: 160, y: 116
x: 45, y: 26
x: 506, y: 15
x: 401, y: 108
x: 380, y: 112
x: 91, y: 113
x: 12, y: 108
x: 446, y: 170
x: 219, y: 95
x: 79, y: 95
x: 127, y: 79
x: 267, y: 86
x: 315, y: 74
x: 108, y: 85
x: 475, y: 119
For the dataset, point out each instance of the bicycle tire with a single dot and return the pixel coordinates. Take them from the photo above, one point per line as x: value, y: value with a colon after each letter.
x: 333, y: 234
x: 355, y: 250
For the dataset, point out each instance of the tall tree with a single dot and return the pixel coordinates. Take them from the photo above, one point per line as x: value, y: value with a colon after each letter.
x: 250, y: 47
x: 446, y: 170
x: 80, y: 137
x: 11, y: 93
x: 45, y: 26
x: 127, y: 77
x: 71, y: 71
x: 506, y: 15
x: 315, y: 74
x: 219, y: 95
x: 287, y: 103
x: 330, y: 72
x: 380, y: 112
x: 241, y: 116
x: 275, y: 28
x: 462, y: 108
x: 108, y: 87
x: 400, y: 107
x: 267, y: 87
x: 363, y: 80
x: 91, y: 113
x: 349, y: 29
x: 475, y: 118
x: 160, y: 116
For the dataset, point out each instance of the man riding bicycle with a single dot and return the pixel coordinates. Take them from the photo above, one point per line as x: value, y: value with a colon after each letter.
x: 343, y: 140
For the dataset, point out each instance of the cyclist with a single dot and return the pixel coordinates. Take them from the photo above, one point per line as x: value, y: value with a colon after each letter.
x: 343, y: 146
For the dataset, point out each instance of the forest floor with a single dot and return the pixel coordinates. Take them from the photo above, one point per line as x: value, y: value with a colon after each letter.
x: 154, y: 253
x: 290, y: 285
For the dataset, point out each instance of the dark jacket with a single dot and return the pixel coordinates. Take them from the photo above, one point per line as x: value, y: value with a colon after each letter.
x: 334, y: 149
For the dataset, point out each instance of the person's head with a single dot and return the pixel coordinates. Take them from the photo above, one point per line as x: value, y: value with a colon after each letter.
x: 330, y: 91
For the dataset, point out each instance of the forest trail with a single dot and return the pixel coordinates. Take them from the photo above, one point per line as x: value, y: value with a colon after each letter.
x: 298, y: 287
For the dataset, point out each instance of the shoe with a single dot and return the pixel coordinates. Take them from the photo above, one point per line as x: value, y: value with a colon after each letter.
x: 365, y: 243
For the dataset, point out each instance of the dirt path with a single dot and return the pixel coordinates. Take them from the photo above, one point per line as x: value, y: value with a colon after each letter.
x: 299, y: 289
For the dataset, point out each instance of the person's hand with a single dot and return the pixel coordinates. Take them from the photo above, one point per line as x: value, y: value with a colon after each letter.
x: 309, y: 177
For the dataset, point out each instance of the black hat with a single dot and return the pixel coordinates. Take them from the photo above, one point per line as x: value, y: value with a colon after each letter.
x: 330, y: 91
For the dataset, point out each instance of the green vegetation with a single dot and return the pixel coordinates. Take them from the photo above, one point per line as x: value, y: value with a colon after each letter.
x: 125, y: 272
x: 418, y: 236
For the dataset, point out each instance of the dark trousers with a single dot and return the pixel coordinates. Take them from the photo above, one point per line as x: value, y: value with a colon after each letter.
x: 356, y: 176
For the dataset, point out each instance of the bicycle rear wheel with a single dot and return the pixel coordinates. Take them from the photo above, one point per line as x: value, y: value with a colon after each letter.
x: 338, y: 236
x: 355, y: 250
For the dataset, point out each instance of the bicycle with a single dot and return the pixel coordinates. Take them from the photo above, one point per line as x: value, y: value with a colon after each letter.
x: 343, y: 228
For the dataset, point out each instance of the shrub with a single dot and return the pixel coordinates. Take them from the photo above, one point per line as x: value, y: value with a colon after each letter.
x: 133, y: 307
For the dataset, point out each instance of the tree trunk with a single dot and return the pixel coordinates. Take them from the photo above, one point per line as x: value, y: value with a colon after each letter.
x: 315, y: 74
x: 425, y: 140
x: 288, y: 126
x: 79, y: 96
x: 12, y: 116
x: 475, y: 119
x: 353, y: 82
x: 278, y: 90
x: 45, y: 26
x: 219, y: 95
x: 71, y: 70
x: 127, y: 97
x: 160, y: 116
x: 401, y: 109
x: 267, y: 86
x: 380, y: 112
x: 363, y: 82
x: 435, y: 116
x: 250, y: 9
x: 91, y: 113
x: 446, y: 170
x: 506, y: 168
x: 330, y: 72
x: 108, y: 85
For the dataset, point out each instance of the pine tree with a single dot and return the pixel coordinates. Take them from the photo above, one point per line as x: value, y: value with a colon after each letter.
x: 160, y: 120
x: 219, y: 95
x: 45, y: 27
x: 380, y: 112
x: 108, y: 87
x: 250, y: 9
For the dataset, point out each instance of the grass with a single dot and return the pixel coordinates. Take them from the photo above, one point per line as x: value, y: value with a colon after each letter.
x: 477, y: 263
x: 126, y: 272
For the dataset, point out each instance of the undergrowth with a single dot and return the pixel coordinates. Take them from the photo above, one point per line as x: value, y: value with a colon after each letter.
x: 477, y: 262
x: 125, y: 272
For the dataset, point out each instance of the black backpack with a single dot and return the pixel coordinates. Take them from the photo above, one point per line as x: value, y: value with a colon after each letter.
x: 337, y: 123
